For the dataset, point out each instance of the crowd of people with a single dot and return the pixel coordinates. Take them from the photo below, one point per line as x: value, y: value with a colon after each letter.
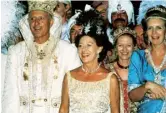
x: 96, y: 60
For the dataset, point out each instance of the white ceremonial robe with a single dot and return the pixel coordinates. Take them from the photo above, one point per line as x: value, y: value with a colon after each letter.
x: 16, y: 97
x: 3, y: 66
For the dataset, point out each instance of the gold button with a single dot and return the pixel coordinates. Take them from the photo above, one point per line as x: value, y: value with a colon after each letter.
x: 33, y: 101
x: 55, y: 104
x: 24, y: 103
x: 45, y: 100
x: 55, y: 77
x: 26, y: 64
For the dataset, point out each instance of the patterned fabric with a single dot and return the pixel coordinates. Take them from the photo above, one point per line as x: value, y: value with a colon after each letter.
x: 125, y: 97
x: 126, y: 106
x: 140, y: 71
x: 89, y: 97
x: 15, y: 83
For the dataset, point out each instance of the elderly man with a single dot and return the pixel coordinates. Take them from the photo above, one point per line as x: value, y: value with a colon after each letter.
x: 36, y: 66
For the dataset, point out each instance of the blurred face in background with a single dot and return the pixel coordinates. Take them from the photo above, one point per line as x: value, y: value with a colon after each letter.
x: 62, y: 9
x: 124, y: 47
x: 140, y: 38
x: 102, y: 9
x: 119, y: 19
x: 75, y: 30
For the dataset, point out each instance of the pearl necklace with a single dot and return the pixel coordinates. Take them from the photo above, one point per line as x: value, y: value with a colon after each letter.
x: 91, y: 71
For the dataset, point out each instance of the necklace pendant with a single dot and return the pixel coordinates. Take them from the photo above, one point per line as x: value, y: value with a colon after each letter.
x: 41, y: 55
x: 158, y: 78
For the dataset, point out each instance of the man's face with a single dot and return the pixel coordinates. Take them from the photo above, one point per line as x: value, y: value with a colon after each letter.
x: 62, y: 9
x: 119, y: 19
x: 102, y: 9
x: 40, y: 23
x: 75, y: 30
x: 140, y: 39
x: 69, y: 13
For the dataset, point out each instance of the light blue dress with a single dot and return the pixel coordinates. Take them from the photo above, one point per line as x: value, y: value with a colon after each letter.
x: 140, y: 71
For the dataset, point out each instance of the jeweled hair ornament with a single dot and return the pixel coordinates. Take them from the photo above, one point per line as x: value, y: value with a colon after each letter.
x: 87, y: 28
x: 158, y: 12
x: 123, y: 30
x: 145, y: 5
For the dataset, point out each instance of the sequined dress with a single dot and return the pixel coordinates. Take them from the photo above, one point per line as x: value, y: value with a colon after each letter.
x: 89, y: 97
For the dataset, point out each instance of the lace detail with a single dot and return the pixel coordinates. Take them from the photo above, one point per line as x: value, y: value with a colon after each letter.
x: 163, y: 110
x: 157, y: 70
x: 89, y: 97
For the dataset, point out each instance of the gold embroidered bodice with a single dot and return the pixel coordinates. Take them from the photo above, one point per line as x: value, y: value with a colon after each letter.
x: 89, y: 97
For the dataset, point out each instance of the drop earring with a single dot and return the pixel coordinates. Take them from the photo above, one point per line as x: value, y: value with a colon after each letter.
x: 98, y: 55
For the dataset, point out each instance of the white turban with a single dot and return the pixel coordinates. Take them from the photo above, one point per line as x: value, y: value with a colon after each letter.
x: 125, y: 5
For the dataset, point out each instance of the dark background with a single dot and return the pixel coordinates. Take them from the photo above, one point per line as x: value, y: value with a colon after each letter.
x: 81, y: 5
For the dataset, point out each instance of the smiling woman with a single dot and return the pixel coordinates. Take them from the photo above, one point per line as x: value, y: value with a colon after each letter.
x: 91, y: 78
x: 147, y: 70
x: 124, y: 43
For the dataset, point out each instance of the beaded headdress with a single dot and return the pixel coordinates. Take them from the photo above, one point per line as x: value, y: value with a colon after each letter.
x: 123, y: 30
x: 148, y: 6
x: 43, y: 5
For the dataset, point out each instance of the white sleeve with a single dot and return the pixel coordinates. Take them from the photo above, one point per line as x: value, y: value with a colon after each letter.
x: 3, y: 66
x: 10, y: 98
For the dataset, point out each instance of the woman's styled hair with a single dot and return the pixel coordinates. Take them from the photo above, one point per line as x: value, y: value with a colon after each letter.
x: 94, y: 27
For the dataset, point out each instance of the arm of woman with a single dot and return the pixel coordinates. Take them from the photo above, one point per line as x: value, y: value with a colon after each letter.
x: 152, y: 89
x: 114, y: 94
x: 138, y: 93
x: 64, y: 108
x: 136, y: 89
x: 155, y: 91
